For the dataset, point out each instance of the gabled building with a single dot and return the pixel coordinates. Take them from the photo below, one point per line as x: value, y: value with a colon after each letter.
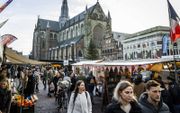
x: 68, y: 38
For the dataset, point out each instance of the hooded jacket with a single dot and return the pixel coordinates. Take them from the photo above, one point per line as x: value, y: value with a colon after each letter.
x: 150, y: 108
x: 114, y: 107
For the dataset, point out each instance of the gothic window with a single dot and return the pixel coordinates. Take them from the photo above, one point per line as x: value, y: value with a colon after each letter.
x: 63, y: 36
x: 76, y: 31
x: 60, y: 37
x: 67, y: 34
x: 51, y: 36
x: 62, y: 51
x: 43, y: 44
x: 80, y: 53
x: 98, y: 33
x: 55, y: 36
x: 71, y: 33
x: 82, y: 27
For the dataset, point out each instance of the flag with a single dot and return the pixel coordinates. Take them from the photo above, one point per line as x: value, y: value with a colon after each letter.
x: 2, y: 24
x: 5, y: 5
x: 174, y: 23
x: 7, y: 39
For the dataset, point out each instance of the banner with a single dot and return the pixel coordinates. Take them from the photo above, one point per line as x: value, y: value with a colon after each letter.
x: 7, y: 39
x: 5, y: 5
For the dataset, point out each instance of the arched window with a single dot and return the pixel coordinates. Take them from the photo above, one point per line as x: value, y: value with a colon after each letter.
x: 98, y: 34
x: 55, y: 36
x: 51, y: 36
x: 76, y: 31
x: 71, y: 33
x: 63, y: 36
x: 82, y: 28
x: 80, y: 53
x: 43, y: 44
x: 67, y: 35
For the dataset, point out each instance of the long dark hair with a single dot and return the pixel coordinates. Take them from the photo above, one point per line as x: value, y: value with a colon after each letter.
x: 76, y: 90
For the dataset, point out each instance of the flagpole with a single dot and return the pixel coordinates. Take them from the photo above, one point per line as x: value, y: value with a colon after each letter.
x: 174, y: 59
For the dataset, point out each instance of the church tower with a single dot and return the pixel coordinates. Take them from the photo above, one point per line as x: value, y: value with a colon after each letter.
x: 64, y: 16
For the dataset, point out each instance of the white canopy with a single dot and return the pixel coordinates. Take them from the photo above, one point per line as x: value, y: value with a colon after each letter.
x: 133, y: 62
x: 87, y: 62
x: 122, y: 62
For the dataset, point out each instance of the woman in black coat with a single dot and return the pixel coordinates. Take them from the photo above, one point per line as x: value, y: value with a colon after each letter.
x: 123, y: 100
x: 5, y: 96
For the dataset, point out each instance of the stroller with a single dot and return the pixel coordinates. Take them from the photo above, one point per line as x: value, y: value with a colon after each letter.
x: 62, y: 97
x: 51, y: 89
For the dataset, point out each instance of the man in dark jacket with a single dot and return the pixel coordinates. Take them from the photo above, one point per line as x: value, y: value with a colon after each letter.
x: 151, y: 101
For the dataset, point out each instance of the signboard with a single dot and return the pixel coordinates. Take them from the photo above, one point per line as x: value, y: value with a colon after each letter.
x: 66, y: 62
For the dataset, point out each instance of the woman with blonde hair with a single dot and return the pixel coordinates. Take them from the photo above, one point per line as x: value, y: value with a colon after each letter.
x: 123, y: 99
x: 5, y: 96
x: 80, y: 101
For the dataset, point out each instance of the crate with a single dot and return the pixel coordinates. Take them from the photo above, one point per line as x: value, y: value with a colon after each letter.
x: 26, y: 109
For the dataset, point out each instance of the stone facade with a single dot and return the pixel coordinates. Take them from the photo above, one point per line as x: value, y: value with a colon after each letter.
x: 67, y: 39
x: 149, y: 44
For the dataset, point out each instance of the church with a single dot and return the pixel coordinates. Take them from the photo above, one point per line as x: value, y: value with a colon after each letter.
x: 68, y: 38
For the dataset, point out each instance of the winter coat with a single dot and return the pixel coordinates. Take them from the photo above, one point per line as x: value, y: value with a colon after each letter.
x: 82, y: 103
x: 5, y: 100
x: 149, y: 108
x: 139, y: 89
x: 114, y: 107
x: 30, y: 86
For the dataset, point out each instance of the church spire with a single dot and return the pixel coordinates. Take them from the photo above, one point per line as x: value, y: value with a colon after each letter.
x: 109, y: 15
x: 65, y: 9
x: 64, y: 13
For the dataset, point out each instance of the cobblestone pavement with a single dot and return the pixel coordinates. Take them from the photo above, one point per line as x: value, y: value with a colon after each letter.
x: 47, y: 104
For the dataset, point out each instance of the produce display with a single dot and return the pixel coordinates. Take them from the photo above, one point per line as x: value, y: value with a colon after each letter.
x: 21, y: 101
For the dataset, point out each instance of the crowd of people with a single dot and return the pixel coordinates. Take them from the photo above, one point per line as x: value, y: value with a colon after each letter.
x: 129, y: 95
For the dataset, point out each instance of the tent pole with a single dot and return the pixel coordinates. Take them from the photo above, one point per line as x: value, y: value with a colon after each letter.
x: 175, y: 67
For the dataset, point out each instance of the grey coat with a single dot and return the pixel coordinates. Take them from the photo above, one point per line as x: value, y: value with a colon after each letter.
x: 149, y: 108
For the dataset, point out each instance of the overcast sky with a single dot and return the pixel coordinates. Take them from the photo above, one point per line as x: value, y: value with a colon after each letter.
x: 128, y: 16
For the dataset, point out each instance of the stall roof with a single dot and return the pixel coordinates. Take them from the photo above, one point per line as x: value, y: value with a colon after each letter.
x: 87, y: 62
x: 16, y: 58
x: 122, y: 62
x: 133, y: 62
